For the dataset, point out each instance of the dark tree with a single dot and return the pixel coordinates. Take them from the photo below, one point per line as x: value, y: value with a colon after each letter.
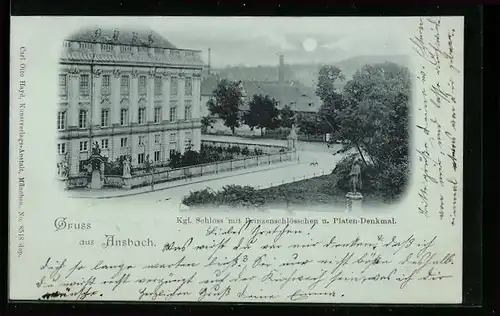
x: 263, y: 113
x: 190, y: 158
x: 308, y: 124
x: 227, y: 103
x: 375, y: 121
x: 206, y: 122
x: 287, y: 117
x: 175, y: 160
x: 332, y: 99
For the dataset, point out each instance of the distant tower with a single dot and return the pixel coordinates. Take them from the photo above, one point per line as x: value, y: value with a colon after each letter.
x: 281, y: 69
x: 209, y: 50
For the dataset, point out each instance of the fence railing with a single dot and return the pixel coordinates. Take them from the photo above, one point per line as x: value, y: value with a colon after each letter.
x: 293, y: 179
x: 276, y: 135
x: 185, y: 172
x: 209, y: 169
x: 266, y: 148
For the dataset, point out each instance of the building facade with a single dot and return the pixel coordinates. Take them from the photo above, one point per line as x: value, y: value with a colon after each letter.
x: 131, y: 92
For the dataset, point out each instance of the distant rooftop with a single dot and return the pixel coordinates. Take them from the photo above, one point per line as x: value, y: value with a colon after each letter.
x: 121, y: 36
x: 298, y: 96
x: 209, y: 84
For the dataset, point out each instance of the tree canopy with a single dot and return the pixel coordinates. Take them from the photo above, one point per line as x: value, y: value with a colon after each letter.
x: 227, y: 103
x: 331, y: 97
x: 374, y: 120
x: 263, y: 112
x: 287, y: 117
x: 206, y: 122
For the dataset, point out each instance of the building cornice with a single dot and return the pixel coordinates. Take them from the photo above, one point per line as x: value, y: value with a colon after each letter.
x: 74, y: 132
x: 134, y: 71
x: 87, y: 58
x: 72, y: 67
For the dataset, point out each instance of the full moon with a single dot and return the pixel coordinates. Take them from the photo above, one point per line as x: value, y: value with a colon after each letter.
x: 309, y: 44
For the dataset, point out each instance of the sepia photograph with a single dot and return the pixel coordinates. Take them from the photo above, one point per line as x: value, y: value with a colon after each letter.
x: 237, y: 159
x: 291, y: 117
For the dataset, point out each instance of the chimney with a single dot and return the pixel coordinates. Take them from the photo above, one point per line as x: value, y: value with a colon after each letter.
x: 281, y: 69
x: 209, y: 50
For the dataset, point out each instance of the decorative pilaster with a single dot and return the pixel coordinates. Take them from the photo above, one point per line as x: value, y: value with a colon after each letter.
x: 197, y: 139
x: 181, y: 98
x: 74, y: 153
x: 96, y: 99
x: 166, y: 96
x: 115, y: 97
x: 134, y: 96
x: 73, y: 92
x: 150, y: 111
x: 180, y: 144
x: 196, y: 96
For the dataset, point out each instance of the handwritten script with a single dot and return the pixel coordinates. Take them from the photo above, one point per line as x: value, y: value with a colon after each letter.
x: 439, y: 129
x: 252, y: 262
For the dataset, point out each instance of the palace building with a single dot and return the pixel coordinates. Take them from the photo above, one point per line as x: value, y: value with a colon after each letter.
x: 132, y: 92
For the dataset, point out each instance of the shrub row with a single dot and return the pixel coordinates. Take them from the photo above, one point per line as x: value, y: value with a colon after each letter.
x: 230, y: 195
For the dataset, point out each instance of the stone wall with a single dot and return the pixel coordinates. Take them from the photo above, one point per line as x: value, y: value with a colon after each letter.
x: 186, y: 172
x: 267, y: 149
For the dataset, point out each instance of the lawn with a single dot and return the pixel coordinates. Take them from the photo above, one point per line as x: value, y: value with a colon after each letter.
x: 315, y: 191
x: 319, y: 190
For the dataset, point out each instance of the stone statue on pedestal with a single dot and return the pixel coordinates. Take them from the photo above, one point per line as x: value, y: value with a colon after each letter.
x: 96, y: 150
x: 354, y: 197
x: 102, y: 170
x: 292, y: 139
x: 64, y: 169
x: 126, y: 168
x: 355, y: 176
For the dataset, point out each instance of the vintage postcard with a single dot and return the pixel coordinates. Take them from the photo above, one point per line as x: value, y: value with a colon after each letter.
x: 236, y: 159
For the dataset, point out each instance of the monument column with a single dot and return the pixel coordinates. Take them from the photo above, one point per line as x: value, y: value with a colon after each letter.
x: 354, y: 198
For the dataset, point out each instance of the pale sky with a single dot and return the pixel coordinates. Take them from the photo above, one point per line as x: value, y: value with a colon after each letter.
x: 256, y: 41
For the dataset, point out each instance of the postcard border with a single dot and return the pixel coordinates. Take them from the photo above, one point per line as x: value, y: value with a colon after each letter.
x: 473, y: 178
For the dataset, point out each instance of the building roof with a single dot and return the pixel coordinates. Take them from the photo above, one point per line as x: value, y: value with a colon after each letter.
x: 298, y: 96
x: 209, y: 84
x: 121, y: 36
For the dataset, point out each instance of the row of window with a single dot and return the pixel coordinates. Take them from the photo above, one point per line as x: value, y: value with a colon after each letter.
x: 61, y: 148
x: 126, y: 49
x: 141, y: 157
x: 84, y: 87
x: 124, y: 116
x: 84, y: 145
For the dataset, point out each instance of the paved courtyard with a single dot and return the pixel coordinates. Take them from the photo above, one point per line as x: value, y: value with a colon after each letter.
x: 260, y: 177
x: 302, y: 145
